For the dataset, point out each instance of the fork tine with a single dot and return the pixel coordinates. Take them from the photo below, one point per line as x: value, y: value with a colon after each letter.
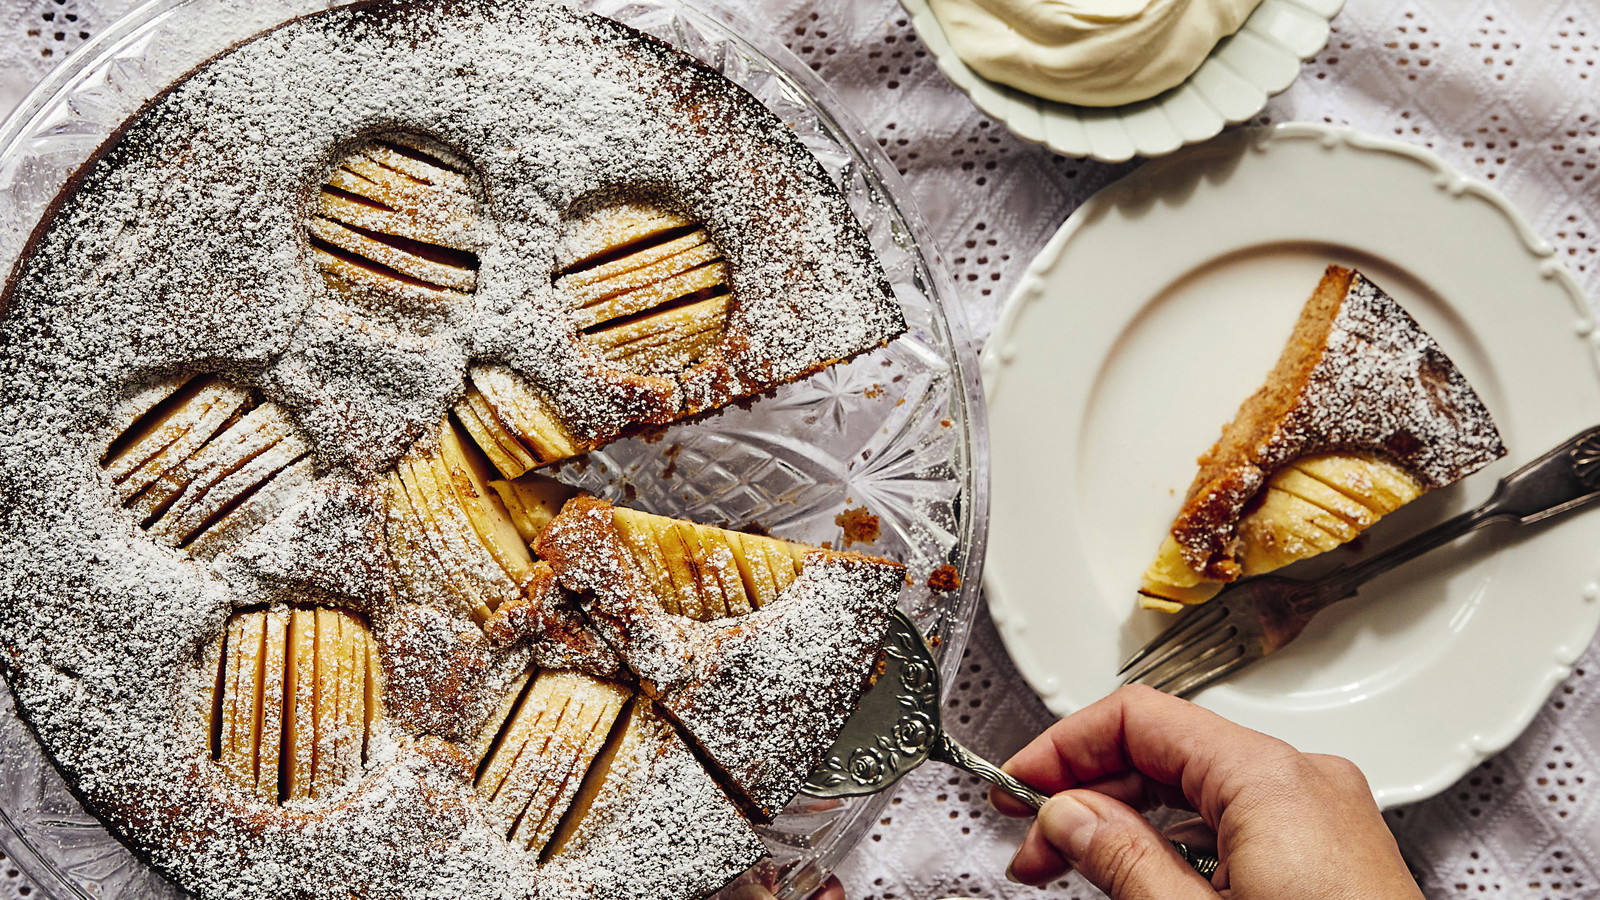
x: 1198, y: 680
x: 1193, y: 623
x: 1195, y: 656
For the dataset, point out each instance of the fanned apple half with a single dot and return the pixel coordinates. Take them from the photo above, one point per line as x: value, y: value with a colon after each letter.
x: 704, y: 572
x: 1310, y: 506
x: 649, y: 291
x: 294, y: 702
x: 202, y: 462
x: 397, y: 221
x: 550, y: 736
x: 459, y: 534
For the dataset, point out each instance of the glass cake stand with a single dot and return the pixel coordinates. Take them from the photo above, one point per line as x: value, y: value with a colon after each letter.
x: 898, y: 434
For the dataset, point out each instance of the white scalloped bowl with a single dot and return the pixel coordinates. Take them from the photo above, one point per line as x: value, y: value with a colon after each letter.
x: 1234, y: 83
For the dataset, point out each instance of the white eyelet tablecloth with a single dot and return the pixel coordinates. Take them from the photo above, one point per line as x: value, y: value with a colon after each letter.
x: 1507, y: 91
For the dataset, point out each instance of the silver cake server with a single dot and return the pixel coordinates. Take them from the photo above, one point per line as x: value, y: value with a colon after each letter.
x: 896, y: 728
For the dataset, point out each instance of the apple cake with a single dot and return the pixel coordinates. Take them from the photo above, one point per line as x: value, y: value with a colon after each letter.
x: 284, y: 599
x: 1362, y: 413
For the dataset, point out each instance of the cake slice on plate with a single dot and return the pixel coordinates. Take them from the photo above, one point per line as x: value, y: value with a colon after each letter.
x: 1362, y: 413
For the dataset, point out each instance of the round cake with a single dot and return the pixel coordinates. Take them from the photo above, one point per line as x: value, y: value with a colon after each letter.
x: 275, y: 369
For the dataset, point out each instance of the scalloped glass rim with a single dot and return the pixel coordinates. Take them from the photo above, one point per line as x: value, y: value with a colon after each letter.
x: 1234, y: 83
x: 71, y: 112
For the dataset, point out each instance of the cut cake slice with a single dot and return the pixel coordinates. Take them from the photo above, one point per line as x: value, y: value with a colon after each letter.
x: 762, y: 693
x: 1362, y: 413
x: 648, y: 821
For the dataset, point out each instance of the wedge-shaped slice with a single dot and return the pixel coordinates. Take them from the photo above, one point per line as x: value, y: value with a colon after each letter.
x: 298, y: 698
x: 1362, y: 388
x: 648, y: 822
x: 762, y: 695
x: 542, y: 752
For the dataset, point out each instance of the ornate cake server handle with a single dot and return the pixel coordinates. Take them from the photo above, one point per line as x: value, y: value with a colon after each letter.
x: 897, y: 727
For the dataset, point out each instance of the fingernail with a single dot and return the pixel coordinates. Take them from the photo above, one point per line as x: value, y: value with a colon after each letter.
x: 1073, y: 822
x: 1012, y: 876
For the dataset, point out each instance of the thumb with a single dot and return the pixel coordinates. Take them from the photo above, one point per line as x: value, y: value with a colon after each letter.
x: 1112, y: 846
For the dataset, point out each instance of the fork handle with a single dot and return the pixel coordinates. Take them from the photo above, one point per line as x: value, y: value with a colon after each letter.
x: 1344, y: 582
x: 1564, y: 478
x: 948, y: 750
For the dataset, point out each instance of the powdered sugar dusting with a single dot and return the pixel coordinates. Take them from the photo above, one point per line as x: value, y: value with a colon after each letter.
x: 762, y: 695
x: 181, y: 250
x: 1385, y: 384
x: 1379, y: 384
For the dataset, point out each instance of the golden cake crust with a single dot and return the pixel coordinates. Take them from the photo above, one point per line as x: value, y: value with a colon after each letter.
x: 181, y: 272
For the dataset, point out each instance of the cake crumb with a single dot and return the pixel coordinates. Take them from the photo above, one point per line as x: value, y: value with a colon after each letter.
x: 860, y: 526
x: 944, y: 579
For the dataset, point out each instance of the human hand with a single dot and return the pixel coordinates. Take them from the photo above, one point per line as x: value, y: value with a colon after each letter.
x: 1286, y: 825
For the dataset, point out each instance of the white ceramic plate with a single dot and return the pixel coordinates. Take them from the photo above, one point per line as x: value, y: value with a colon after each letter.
x: 1157, y: 308
x: 1233, y: 84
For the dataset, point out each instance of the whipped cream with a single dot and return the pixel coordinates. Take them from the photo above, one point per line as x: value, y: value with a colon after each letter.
x: 1088, y: 52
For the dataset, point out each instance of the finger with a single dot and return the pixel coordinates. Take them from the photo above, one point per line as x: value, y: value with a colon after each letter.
x: 1132, y: 788
x: 1116, y: 849
x: 1036, y: 861
x: 1194, y: 832
x: 1168, y: 740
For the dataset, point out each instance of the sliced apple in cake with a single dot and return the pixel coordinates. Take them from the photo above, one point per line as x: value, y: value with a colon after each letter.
x: 552, y: 735
x: 449, y: 531
x: 1362, y: 414
x: 704, y: 572
x: 398, y: 220
x: 294, y: 703
x: 455, y: 531
x: 758, y: 694
x: 648, y: 821
x: 650, y: 288
x: 202, y: 463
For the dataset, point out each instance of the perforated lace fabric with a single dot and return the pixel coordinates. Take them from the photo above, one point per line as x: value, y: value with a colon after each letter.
x: 1508, y: 92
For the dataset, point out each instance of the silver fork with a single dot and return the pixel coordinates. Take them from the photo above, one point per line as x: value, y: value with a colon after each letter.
x: 1259, y: 616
